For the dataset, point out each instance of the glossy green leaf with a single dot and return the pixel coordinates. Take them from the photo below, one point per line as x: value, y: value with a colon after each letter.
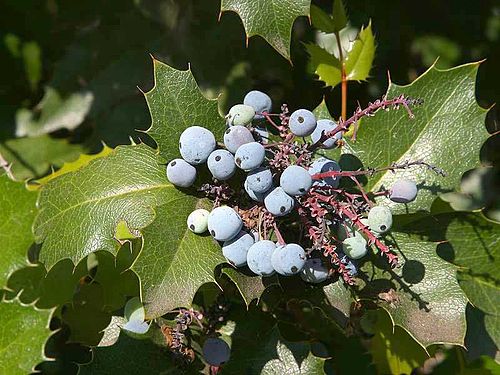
x: 79, y: 211
x: 131, y: 356
x: 326, y: 66
x: 359, y: 59
x: 272, y: 20
x: 17, y: 212
x: 175, y: 103
x: 447, y: 131
x: 53, y: 113
x: 22, y: 338
x: 33, y: 157
x: 259, y: 348
x: 393, y: 350
x: 422, y: 295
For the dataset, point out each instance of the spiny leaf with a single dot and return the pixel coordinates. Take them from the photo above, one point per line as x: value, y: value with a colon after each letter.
x: 422, y: 295
x: 72, y: 166
x: 393, y: 350
x: 359, y: 59
x: 339, y: 15
x: 447, y: 131
x: 327, y: 67
x: 17, y: 212
x: 32, y: 157
x: 54, y: 113
x: 273, y: 20
x: 175, y: 103
x: 174, y: 261
x: 79, y: 211
x: 329, y: 23
x: 22, y: 338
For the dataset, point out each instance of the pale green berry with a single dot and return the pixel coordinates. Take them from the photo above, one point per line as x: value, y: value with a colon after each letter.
x: 197, y: 221
x: 240, y: 114
x: 380, y: 219
x: 355, y: 247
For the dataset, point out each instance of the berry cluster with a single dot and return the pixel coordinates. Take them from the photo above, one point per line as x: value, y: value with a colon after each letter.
x: 279, y: 184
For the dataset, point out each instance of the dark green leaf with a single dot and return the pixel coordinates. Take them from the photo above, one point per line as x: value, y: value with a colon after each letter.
x: 273, y: 20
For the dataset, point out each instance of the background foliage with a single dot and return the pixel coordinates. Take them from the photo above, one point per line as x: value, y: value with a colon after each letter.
x: 71, y: 78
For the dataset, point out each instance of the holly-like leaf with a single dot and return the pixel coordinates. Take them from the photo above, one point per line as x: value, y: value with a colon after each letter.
x: 359, y: 59
x: 17, y: 212
x: 174, y: 261
x: 393, y: 350
x: 447, y: 131
x: 272, y: 20
x: 22, y: 338
x: 79, y: 211
x: 326, y: 66
x: 259, y: 348
x: 329, y: 23
x: 33, y: 157
x: 53, y: 113
x: 175, y: 103
x: 422, y: 295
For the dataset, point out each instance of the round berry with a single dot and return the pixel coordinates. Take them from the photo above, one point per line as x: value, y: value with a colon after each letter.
x: 355, y: 247
x: 235, y: 250
x: 380, y: 219
x: 325, y: 126
x: 289, y: 259
x: 260, y: 102
x: 235, y: 136
x: 302, y: 122
x: 196, y: 144
x: 221, y: 164
x: 216, y: 351
x: 278, y: 202
x: 295, y: 180
x: 403, y: 191
x: 314, y: 271
x: 250, y: 156
x: 259, y: 180
x: 197, y: 221
x: 258, y: 197
x: 224, y: 223
x: 259, y: 257
x: 240, y: 114
x: 323, y: 165
x: 180, y: 173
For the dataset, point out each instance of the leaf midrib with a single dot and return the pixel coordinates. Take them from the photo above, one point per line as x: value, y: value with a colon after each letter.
x: 161, y: 186
x: 376, y: 184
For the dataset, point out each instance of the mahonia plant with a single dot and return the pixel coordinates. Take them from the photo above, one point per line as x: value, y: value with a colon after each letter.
x: 264, y: 187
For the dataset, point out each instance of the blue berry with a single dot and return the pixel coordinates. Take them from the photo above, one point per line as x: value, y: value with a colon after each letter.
x: 180, y: 173
x: 323, y: 165
x: 380, y: 219
x: 196, y: 144
x: 259, y: 258
x: 403, y: 191
x: 197, y: 221
x: 260, y: 102
x: 258, y: 197
x: 295, y: 180
x: 235, y: 250
x: 278, y: 202
x: 302, y: 122
x: 216, y: 351
x: 259, y: 180
x: 221, y: 164
x: 289, y: 259
x: 235, y: 136
x: 324, y: 126
x: 240, y: 114
x: 224, y: 223
x: 250, y: 156
x: 314, y: 271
